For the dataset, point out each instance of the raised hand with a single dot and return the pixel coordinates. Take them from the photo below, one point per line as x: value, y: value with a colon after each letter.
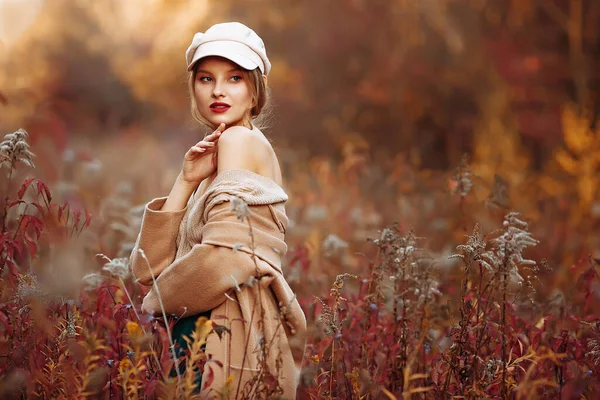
x: 200, y: 161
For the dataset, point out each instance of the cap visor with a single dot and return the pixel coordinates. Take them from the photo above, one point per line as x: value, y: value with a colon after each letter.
x: 236, y: 52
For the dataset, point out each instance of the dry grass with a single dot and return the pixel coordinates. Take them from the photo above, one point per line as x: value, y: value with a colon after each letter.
x: 415, y: 320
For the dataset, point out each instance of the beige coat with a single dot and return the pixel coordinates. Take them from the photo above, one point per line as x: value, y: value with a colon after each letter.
x: 201, y: 259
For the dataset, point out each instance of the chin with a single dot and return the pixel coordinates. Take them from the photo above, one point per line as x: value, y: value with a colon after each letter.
x: 218, y: 120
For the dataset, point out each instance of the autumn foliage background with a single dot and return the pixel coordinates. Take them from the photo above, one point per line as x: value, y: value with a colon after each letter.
x: 407, y: 132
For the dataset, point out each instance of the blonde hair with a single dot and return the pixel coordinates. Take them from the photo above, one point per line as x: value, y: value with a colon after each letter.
x: 256, y: 85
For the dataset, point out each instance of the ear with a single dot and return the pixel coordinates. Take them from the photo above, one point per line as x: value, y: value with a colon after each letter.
x: 265, y: 79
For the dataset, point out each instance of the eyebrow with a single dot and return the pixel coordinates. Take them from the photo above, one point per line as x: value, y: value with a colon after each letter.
x: 207, y: 72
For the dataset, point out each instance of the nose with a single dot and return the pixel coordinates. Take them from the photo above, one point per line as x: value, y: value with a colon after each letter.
x: 218, y: 90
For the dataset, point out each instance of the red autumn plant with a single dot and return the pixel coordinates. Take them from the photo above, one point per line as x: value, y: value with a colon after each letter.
x: 404, y: 324
x: 406, y: 332
x: 94, y: 342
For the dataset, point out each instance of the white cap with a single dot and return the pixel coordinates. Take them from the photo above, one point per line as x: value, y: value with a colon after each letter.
x: 232, y: 40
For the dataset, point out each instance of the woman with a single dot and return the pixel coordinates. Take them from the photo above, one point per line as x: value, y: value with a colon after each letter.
x: 198, y: 255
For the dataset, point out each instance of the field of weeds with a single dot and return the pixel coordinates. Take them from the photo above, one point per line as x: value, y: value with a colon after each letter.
x: 442, y: 162
x: 461, y: 287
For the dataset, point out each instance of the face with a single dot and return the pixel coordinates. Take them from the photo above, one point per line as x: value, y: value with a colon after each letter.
x: 221, y: 93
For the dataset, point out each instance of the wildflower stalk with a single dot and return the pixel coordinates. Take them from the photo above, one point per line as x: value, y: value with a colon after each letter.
x: 402, y: 339
x: 20, y: 221
x: 332, y: 372
x: 253, y: 256
x: 503, y: 323
x: 481, y: 331
x: 471, y: 252
x: 245, y: 350
x: 13, y: 148
x: 5, y: 210
x: 162, y: 307
x: 135, y: 312
x: 253, y: 386
x: 330, y: 317
x: 367, y: 324
x: 463, y: 184
x: 242, y: 212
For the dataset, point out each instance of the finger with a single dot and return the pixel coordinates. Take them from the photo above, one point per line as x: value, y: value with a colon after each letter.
x: 220, y: 129
x: 198, y: 149
x: 217, y: 132
x: 210, y: 138
x: 205, y: 143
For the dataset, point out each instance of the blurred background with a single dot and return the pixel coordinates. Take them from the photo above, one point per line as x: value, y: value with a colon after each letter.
x: 433, y: 113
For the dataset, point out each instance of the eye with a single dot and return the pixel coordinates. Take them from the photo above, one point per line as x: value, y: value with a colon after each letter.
x: 236, y: 78
x: 204, y: 78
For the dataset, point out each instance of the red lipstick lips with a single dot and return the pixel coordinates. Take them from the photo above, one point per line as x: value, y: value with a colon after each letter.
x: 219, y: 107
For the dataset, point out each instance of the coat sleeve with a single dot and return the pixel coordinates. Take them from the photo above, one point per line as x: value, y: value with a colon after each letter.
x: 158, y: 239
x: 199, y: 281
x: 203, y: 278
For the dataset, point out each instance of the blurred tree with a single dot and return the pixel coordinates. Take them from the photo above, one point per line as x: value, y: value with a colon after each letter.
x: 404, y: 76
x: 547, y: 51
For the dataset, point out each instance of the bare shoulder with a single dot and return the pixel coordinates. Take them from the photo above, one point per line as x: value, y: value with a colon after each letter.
x: 242, y: 148
x: 236, y: 133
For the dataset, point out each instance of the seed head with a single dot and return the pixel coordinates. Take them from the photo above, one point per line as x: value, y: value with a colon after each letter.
x: 93, y: 280
x: 118, y: 267
x: 15, y: 148
x: 594, y: 344
x: 239, y: 207
x: 334, y: 245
